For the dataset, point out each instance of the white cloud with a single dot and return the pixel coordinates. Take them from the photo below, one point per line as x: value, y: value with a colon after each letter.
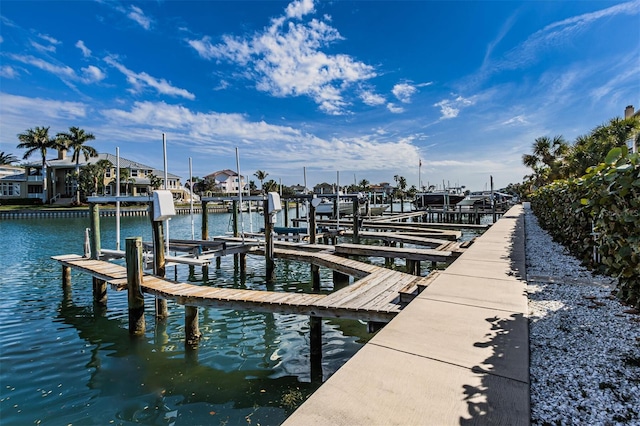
x: 49, y: 39
x: 68, y: 75
x: 62, y: 71
x: 18, y: 113
x: 7, y: 71
x: 92, y: 74
x: 403, y: 92
x: 372, y: 99
x: 136, y: 14
x: 518, y: 119
x: 450, y: 108
x: 141, y: 80
x: 86, y: 52
x: 559, y: 33
x: 286, y: 59
x: 42, y: 48
x: 394, y: 108
x: 281, y: 148
x: 299, y: 8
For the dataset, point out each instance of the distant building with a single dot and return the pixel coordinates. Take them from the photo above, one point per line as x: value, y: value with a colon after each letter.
x: 62, y: 188
x: 324, y: 188
x: 227, y: 181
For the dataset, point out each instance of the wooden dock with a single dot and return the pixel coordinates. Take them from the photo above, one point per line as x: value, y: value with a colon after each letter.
x: 375, y: 296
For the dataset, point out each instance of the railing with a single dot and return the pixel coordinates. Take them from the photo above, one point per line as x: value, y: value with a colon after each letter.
x: 35, y: 179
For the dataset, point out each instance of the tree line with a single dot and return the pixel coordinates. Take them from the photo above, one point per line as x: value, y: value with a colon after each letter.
x: 555, y: 159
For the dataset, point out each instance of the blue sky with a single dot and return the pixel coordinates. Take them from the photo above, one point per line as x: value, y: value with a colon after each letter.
x: 363, y: 88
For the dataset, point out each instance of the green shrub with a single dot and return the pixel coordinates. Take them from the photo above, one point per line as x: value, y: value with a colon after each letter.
x: 601, y: 210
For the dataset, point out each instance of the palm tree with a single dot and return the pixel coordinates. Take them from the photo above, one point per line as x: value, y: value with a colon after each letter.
x: 7, y: 159
x: 103, y: 165
x: 75, y: 139
x: 547, y: 159
x: 261, y: 175
x: 364, y: 185
x: 38, y: 140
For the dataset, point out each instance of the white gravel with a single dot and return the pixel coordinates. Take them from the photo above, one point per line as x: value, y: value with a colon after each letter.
x: 585, y: 351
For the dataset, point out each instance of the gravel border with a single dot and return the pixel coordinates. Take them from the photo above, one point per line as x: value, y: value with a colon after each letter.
x: 584, y: 348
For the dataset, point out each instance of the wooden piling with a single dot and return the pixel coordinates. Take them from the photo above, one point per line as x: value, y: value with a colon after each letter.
x: 133, y: 255
x: 204, y: 227
x: 312, y: 224
x: 99, y: 291
x: 315, y: 348
x: 192, y: 331
x: 66, y: 276
x: 269, y: 249
x: 315, y: 277
x: 94, y: 213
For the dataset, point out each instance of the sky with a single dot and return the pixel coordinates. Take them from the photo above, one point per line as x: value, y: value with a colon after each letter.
x: 437, y: 92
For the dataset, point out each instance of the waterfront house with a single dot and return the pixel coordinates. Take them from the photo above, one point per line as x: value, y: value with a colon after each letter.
x: 61, y: 186
x: 227, y: 181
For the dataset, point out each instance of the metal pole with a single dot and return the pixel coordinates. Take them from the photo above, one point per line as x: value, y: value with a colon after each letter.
x: 240, y: 193
x: 193, y: 232
x: 117, y: 195
x: 166, y: 186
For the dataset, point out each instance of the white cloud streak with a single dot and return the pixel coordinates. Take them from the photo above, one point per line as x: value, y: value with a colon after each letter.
x: 137, y: 15
x: 139, y: 81
x: 86, y: 52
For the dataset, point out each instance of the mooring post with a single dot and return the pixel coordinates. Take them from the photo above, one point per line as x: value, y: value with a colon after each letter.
x: 99, y: 291
x: 315, y: 277
x: 133, y: 256
x: 340, y: 280
x: 159, y: 263
x: 315, y: 348
x: 286, y: 212
x: 312, y: 224
x: 94, y: 213
x: 204, y: 227
x: 66, y: 277
x: 191, y: 330
x: 268, y: 241
x: 356, y: 222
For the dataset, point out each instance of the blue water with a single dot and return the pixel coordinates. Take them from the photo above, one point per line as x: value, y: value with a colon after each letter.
x: 64, y: 360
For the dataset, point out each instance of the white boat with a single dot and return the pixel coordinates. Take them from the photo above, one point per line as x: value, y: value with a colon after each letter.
x: 325, y: 208
x: 373, y: 209
x: 484, y: 198
x: 447, y: 197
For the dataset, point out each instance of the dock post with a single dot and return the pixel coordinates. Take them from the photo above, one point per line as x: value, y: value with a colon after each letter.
x: 133, y: 255
x: 99, y: 291
x: 315, y: 348
x: 286, y: 212
x: 204, y: 227
x: 315, y: 277
x: 236, y: 233
x: 159, y: 264
x: 340, y: 280
x: 66, y: 276
x: 356, y: 222
x: 191, y: 330
x: 312, y: 224
x: 94, y: 213
x: 268, y: 242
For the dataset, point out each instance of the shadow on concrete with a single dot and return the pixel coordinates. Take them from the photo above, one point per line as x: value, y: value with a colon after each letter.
x: 503, y: 396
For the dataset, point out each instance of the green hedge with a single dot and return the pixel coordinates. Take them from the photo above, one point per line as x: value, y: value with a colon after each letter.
x: 21, y: 202
x: 601, y: 210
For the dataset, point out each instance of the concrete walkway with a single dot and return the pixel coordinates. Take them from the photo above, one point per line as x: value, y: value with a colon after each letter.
x: 457, y: 354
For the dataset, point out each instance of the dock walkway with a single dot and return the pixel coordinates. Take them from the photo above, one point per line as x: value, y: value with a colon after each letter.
x: 457, y: 354
x: 378, y: 295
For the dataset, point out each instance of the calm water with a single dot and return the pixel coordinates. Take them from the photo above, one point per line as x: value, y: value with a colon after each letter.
x: 65, y: 361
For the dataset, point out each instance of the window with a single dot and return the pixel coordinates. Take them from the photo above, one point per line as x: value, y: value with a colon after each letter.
x: 34, y: 189
x: 10, y: 189
x: 107, y: 172
x: 134, y: 172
